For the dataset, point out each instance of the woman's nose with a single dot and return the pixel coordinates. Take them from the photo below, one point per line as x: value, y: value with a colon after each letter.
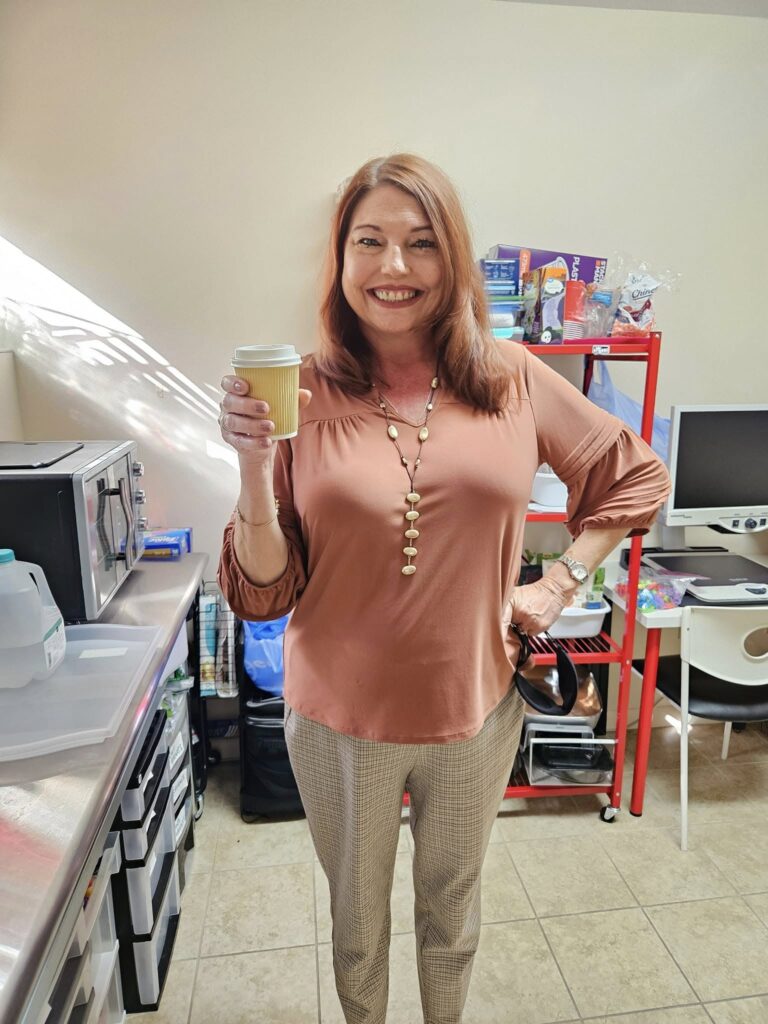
x: 394, y: 260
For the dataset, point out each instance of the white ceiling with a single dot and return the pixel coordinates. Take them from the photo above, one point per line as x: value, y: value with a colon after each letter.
x: 747, y: 8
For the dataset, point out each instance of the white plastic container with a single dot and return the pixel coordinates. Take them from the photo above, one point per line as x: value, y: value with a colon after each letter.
x: 85, y: 699
x: 579, y: 622
x: 32, y: 638
x: 548, y: 489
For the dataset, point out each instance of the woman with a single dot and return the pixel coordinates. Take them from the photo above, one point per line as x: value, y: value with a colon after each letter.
x: 397, y: 541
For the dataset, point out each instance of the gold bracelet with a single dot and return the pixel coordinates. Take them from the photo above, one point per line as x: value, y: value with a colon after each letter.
x: 245, y: 522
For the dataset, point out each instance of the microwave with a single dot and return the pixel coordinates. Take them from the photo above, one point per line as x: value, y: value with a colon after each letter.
x: 73, y: 507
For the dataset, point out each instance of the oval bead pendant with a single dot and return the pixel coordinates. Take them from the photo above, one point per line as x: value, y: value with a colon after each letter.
x: 411, y: 552
x: 413, y: 514
x: 423, y: 434
x: 435, y: 382
x: 411, y: 534
x: 408, y: 570
x: 392, y: 431
x: 413, y: 496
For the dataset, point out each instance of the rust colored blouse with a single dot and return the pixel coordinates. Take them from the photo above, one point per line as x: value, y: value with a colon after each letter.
x: 425, y: 658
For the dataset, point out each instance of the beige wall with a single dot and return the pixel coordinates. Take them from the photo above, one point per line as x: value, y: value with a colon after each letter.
x: 10, y: 414
x: 176, y: 162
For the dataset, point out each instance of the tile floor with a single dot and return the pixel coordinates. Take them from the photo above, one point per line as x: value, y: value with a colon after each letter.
x: 582, y: 920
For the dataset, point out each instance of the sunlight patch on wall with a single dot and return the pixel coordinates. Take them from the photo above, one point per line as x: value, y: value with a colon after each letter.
x: 66, y: 338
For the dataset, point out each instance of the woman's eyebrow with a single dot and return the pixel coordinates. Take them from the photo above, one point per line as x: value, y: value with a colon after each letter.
x: 375, y: 227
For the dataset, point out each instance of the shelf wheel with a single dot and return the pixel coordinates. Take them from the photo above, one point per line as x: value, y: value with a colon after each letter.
x: 609, y: 813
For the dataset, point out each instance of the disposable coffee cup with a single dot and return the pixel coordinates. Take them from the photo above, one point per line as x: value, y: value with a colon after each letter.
x: 272, y: 372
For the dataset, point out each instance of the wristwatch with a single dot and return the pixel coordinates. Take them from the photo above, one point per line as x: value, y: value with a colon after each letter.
x: 578, y: 571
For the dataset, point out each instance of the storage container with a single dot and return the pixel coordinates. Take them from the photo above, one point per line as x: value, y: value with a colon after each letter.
x: 180, y: 785
x: 148, y: 767
x: 137, y: 836
x: 176, y: 730
x: 579, y: 622
x: 556, y: 758
x: 106, y: 1003
x: 144, y: 962
x: 73, y: 987
x: 85, y: 699
x: 181, y: 819
x: 95, y: 921
x: 139, y: 887
x: 548, y: 489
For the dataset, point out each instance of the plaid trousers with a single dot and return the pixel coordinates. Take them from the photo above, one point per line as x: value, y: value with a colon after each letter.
x: 352, y: 791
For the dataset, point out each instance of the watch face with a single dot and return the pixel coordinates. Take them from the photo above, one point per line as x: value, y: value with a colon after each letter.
x: 579, y: 572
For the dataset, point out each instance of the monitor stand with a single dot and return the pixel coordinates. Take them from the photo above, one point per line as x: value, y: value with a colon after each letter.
x: 673, y: 538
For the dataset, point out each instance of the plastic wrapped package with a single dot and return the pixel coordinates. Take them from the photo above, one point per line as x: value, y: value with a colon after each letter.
x: 263, y: 654
x: 656, y: 591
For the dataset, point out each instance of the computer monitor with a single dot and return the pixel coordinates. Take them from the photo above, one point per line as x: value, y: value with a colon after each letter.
x: 718, y: 461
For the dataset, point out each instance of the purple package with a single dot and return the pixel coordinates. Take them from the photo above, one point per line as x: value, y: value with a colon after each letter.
x: 590, y: 269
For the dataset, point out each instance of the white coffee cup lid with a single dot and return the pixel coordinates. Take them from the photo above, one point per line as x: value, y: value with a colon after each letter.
x: 266, y: 355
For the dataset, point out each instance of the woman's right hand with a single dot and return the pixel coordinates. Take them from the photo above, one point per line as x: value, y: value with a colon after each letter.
x: 244, y: 421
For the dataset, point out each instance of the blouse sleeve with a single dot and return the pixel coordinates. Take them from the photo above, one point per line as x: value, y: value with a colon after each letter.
x: 255, y: 603
x: 613, y: 477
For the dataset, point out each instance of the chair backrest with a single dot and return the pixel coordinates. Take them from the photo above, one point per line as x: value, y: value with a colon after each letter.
x: 730, y: 643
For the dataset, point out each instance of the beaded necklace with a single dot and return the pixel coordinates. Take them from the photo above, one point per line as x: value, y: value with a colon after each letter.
x: 412, y: 497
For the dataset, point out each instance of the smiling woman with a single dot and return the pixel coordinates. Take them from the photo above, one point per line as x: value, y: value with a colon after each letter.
x: 396, y: 539
x: 399, y: 229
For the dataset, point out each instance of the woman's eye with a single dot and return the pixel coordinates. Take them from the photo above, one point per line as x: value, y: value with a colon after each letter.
x: 368, y: 243
x: 424, y: 243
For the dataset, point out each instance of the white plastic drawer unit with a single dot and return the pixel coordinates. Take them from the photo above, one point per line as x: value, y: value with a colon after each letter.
x: 181, y: 819
x: 137, y: 836
x: 177, y: 730
x: 80, y: 990
x: 180, y: 785
x: 96, y: 922
x: 144, y: 962
x: 140, y: 885
x: 73, y: 988
x: 105, y: 1005
x: 138, y: 792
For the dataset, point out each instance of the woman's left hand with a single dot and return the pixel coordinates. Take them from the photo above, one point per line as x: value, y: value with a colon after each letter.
x: 535, y: 606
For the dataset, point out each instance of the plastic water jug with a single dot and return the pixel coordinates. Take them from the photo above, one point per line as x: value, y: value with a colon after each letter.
x: 32, y: 638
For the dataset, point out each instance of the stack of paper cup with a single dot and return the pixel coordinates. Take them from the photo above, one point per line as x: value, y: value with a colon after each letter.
x: 272, y: 372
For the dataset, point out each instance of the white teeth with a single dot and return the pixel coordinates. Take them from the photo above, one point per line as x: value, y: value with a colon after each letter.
x: 387, y: 296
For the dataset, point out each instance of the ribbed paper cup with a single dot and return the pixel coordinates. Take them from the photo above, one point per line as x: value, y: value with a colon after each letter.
x: 272, y: 372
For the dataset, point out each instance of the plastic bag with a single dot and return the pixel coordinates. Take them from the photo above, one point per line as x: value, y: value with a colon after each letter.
x: 628, y: 290
x: 263, y: 654
x: 656, y: 591
x: 604, y: 393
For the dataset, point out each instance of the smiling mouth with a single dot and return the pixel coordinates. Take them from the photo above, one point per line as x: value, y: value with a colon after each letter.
x: 395, y: 296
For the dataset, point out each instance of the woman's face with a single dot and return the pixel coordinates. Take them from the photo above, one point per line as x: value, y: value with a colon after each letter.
x: 393, y: 273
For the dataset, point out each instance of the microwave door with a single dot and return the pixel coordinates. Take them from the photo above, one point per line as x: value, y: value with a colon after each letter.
x: 123, y: 520
x: 103, y: 570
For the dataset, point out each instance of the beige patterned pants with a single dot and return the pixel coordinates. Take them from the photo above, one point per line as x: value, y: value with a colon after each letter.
x: 352, y: 791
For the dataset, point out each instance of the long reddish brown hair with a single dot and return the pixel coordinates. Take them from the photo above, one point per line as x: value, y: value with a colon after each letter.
x: 470, y: 364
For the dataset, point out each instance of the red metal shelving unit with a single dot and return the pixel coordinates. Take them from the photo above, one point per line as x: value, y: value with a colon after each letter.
x: 603, y: 649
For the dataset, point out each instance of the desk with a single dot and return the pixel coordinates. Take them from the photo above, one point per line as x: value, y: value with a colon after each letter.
x: 654, y: 622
